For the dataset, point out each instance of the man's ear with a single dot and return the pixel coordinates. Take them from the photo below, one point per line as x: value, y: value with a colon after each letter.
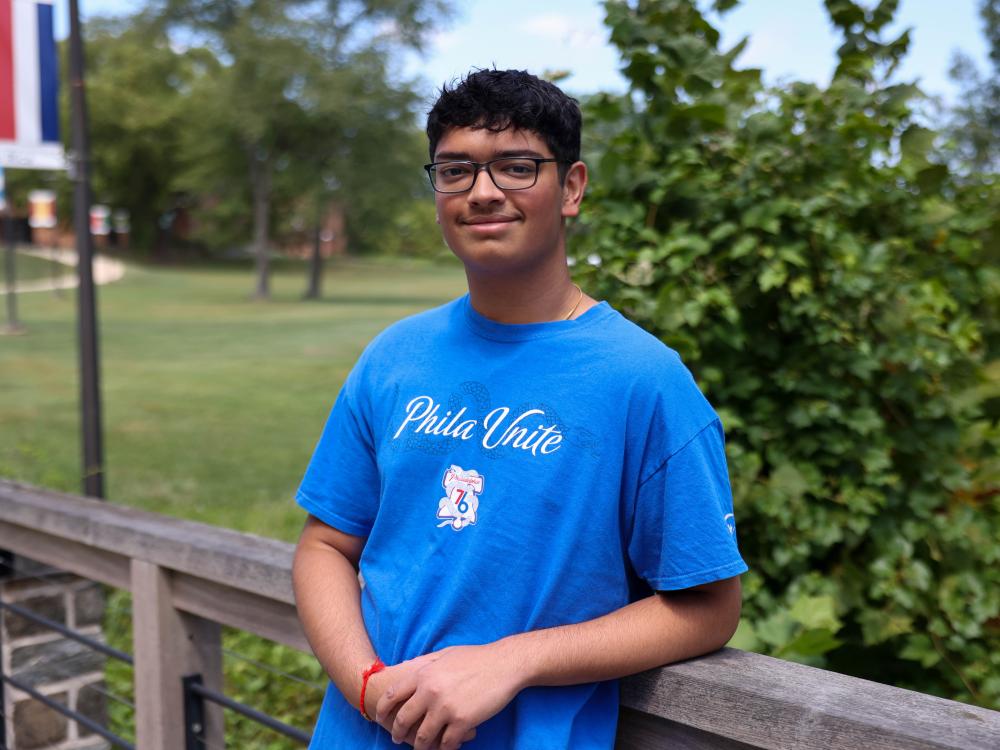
x: 573, y: 188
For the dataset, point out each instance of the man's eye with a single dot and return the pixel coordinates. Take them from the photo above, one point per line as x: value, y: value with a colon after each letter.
x: 518, y: 168
x: 454, y: 171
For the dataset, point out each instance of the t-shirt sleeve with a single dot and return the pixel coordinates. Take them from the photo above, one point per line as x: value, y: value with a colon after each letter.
x: 684, y: 531
x: 341, y: 484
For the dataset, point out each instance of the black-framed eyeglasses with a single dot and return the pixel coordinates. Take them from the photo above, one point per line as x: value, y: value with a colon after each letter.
x: 508, y: 173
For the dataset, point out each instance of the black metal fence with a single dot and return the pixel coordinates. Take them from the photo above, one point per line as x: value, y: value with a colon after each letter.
x: 195, y: 693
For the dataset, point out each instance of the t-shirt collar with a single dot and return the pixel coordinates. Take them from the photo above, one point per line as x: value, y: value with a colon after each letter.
x: 495, y: 331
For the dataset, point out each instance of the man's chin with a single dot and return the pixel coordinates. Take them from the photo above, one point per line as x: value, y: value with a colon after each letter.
x: 493, y: 259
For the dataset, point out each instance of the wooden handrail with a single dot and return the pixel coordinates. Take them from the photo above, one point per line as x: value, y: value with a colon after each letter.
x: 207, y: 576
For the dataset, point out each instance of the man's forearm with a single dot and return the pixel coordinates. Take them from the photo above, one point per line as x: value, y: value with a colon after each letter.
x: 660, y: 629
x: 654, y: 631
x: 328, y: 597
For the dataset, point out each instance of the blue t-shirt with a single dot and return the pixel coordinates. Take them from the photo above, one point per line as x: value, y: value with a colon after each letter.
x: 517, y: 477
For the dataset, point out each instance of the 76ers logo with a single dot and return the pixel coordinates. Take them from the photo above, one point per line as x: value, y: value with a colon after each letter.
x: 459, y: 506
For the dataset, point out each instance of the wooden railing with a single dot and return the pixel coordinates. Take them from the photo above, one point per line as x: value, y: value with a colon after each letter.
x: 187, y: 579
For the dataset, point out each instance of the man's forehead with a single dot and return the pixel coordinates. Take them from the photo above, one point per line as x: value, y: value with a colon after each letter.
x: 458, y: 143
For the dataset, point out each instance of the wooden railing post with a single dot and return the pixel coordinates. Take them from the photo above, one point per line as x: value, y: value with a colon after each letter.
x: 170, y: 645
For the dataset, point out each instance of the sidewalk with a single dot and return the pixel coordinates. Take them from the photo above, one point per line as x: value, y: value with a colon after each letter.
x: 106, y: 271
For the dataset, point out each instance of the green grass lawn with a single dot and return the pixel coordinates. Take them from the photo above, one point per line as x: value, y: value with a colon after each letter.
x: 212, y: 401
x: 30, y: 268
x: 212, y: 405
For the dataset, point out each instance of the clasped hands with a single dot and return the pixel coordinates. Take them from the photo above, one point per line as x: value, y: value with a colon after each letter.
x: 436, y: 701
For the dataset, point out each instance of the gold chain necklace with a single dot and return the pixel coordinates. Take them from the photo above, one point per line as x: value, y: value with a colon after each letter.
x: 578, y: 301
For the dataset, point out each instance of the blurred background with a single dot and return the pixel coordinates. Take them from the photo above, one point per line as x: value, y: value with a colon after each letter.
x: 802, y: 199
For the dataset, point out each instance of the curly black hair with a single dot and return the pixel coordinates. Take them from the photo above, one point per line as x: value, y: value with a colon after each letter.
x: 500, y: 99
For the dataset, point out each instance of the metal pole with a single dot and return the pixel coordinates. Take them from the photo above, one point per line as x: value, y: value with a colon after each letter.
x: 6, y: 568
x: 90, y: 392
x: 10, y: 272
x: 3, y: 700
x: 194, y: 713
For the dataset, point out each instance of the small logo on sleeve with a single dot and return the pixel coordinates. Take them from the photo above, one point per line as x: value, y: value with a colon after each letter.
x: 460, y: 505
x: 730, y: 520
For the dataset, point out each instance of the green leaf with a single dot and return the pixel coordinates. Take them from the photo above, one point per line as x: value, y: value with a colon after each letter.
x: 816, y: 612
x: 773, y: 275
x: 812, y: 642
x: 931, y: 178
x: 743, y: 246
x: 745, y: 637
x: 916, y: 143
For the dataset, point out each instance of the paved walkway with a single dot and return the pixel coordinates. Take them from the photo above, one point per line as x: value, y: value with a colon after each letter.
x: 106, y: 270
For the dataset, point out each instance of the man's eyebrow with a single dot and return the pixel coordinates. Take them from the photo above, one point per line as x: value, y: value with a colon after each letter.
x: 463, y: 156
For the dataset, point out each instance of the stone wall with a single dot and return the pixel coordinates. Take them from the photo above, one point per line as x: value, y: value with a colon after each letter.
x: 58, y: 667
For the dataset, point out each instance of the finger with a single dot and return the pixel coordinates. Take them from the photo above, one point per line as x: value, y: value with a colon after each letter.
x: 429, y: 732
x: 454, y: 735
x: 387, y: 721
x: 394, y: 696
x: 408, y: 718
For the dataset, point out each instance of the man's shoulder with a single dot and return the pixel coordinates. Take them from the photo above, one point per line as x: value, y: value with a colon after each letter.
x: 636, y: 349
x: 421, y: 327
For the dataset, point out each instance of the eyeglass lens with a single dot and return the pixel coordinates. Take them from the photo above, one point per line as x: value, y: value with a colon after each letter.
x: 507, y: 174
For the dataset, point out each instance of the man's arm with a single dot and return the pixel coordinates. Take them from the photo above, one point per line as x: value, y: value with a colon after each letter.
x: 460, y: 687
x: 328, y: 599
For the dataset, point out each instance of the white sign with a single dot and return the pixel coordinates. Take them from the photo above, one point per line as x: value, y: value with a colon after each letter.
x: 29, y: 87
x: 38, y: 156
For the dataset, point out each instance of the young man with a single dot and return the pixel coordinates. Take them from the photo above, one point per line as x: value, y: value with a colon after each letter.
x: 533, y: 489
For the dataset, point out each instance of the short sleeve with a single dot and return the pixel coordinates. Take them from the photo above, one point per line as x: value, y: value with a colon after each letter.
x: 341, y: 485
x: 683, y: 530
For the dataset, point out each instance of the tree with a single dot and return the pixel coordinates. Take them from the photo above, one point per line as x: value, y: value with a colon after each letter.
x: 138, y: 86
x: 260, y: 106
x: 359, y: 149
x: 975, y: 130
x: 827, y: 279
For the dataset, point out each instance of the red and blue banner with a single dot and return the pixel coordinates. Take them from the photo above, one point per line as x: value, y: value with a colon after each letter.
x: 29, y: 86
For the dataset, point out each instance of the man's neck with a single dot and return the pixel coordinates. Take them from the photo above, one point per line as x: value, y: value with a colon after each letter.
x: 529, y: 298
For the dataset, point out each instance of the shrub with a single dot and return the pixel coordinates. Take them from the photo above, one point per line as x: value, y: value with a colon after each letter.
x: 834, y: 289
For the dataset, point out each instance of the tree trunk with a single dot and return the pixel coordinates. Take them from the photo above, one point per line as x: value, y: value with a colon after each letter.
x: 315, y: 265
x: 260, y: 184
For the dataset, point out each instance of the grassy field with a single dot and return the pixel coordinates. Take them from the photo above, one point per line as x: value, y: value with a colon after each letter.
x: 212, y: 401
x: 212, y: 405
x: 30, y: 268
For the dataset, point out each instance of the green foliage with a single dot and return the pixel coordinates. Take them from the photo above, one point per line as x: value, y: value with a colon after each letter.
x: 137, y: 87
x: 412, y: 231
x: 252, y: 118
x: 301, y: 108
x: 834, y: 289
x: 975, y: 127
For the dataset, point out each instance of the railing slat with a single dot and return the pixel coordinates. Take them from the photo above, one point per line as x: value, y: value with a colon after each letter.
x: 776, y: 704
x: 276, y: 621
x: 169, y: 645
x: 242, y: 561
x: 66, y: 554
x: 639, y: 731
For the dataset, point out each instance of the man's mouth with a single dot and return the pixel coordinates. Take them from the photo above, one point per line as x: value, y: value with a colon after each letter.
x: 488, y: 220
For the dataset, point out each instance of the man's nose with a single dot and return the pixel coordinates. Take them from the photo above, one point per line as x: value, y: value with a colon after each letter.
x: 484, y: 190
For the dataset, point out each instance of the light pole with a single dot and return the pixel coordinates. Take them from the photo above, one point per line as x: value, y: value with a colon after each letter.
x: 90, y: 391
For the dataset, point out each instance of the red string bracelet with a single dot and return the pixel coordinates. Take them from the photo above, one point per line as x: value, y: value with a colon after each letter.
x: 377, y: 666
